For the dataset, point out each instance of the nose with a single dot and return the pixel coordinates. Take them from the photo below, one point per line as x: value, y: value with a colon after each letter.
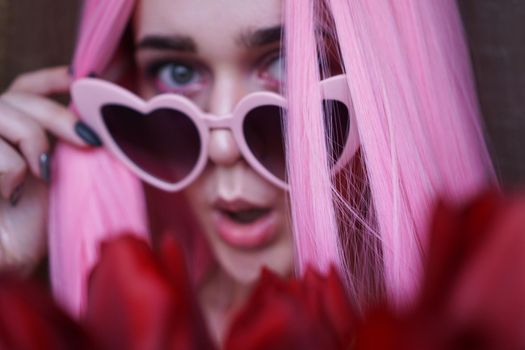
x: 223, y: 149
x: 226, y: 92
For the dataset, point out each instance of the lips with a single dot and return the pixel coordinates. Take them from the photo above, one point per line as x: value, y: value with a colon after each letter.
x: 243, y: 224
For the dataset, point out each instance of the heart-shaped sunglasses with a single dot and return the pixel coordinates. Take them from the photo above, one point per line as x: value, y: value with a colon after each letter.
x: 165, y: 140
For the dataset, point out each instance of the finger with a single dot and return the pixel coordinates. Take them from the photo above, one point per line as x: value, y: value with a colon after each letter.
x: 26, y: 134
x: 54, y: 117
x: 12, y: 170
x: 23, y: 226
x: 43, y: 82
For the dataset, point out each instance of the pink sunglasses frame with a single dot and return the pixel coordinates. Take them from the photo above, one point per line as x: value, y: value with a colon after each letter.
x: 91, y: 94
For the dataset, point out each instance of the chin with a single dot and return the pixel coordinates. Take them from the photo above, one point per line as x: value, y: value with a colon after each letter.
x: 245, y: 265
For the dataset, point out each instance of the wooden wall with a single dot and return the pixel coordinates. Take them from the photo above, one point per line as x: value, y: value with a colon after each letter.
x: 35, y: 34
x: 41, y: 33
x: 496, y: 34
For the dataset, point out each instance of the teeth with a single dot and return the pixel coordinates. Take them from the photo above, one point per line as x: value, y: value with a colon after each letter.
x: 247, y: 216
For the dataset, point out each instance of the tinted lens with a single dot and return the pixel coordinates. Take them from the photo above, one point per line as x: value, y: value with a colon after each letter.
x: 264, y: 135
x: 164, y: 143
x: 337, y: 125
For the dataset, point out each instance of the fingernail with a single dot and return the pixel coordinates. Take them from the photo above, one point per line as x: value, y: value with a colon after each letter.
x: 92, y: 75
x: 16, y: 195
x: 87, y: 134
x: 45, y: 167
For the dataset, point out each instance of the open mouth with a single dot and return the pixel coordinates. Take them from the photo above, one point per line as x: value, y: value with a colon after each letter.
x: 244, y: 225
x: 247, y: 216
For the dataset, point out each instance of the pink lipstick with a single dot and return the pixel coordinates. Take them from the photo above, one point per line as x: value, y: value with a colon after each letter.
x: 243, y: 224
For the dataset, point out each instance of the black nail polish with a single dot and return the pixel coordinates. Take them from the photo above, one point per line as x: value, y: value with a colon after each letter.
x: 45, y: 167
x: 92, y: 75
x: 16, y: 195
x: 87, y: 134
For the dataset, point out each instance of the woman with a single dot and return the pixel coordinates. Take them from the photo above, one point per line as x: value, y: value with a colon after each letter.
x: 411, y: 97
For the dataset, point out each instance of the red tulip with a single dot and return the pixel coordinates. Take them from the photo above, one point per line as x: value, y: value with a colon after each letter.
x: 489, y: 295
x: 30, y: 320
x: 138, y: 301
x: 308, y: 313
x: 473, y: 295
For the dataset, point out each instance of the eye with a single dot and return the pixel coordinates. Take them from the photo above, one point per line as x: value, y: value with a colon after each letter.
x: 174, y: 74
x: 176, y: 77
x: 273, y: 70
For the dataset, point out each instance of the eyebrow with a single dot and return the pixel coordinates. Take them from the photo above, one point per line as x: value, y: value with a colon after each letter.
x: 248, y: 39
x: 261, y: 37
x: 172, y: 42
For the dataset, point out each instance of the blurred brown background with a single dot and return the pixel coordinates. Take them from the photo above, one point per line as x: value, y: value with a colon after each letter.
x: 36, y: 34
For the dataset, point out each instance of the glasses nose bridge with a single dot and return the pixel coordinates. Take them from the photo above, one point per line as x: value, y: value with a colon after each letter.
x: 214, y: 121
x: 223, y: 147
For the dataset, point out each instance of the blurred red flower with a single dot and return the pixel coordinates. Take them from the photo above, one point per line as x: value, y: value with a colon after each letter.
x: 473, y: 293
x: 30, y: 320
x: 138, y: 301
x: 309, y: 313
x: 472, y: 297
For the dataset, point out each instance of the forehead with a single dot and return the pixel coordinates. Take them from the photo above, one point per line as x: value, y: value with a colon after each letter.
x: 206, y: 21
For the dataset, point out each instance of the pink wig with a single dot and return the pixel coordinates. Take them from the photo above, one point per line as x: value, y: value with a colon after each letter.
x: 407, y: 69
x: 411, y: 86
x: 93, y: 196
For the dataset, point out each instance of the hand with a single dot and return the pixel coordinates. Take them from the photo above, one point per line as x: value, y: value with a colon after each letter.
x: 26, y: 115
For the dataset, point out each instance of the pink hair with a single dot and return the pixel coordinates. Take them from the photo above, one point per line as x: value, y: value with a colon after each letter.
x: 411, y: 87
x: 93, y: 196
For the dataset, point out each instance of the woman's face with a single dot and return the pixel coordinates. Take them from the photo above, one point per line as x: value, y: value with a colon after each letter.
x: 215, y: 52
